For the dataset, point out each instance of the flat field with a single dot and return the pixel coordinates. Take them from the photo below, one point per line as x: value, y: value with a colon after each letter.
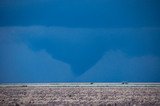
x: 80, y: 94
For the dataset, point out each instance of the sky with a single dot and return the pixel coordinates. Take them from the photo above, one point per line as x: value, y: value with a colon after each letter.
x: 79, y: 41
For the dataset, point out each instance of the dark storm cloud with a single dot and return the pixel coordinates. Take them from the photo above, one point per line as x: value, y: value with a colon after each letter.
x: 82, y: 48
x: 79, y: 33
x: 80, y: 13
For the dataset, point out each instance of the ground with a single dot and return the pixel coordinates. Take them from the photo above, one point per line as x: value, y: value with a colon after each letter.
x: 80, y: 95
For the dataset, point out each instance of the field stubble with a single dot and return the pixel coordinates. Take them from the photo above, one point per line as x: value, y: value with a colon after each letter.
x: 83, y: 96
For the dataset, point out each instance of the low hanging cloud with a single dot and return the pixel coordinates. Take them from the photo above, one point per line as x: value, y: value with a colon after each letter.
x: 82, y: 48
x: 20, y: 64
x: 117, y: 66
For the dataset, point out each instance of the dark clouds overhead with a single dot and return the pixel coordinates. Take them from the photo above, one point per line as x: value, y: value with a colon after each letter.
x: 80, y: 13
x: 81, y: 37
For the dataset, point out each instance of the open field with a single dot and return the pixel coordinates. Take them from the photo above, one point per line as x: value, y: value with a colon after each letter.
x: 83, y: 94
